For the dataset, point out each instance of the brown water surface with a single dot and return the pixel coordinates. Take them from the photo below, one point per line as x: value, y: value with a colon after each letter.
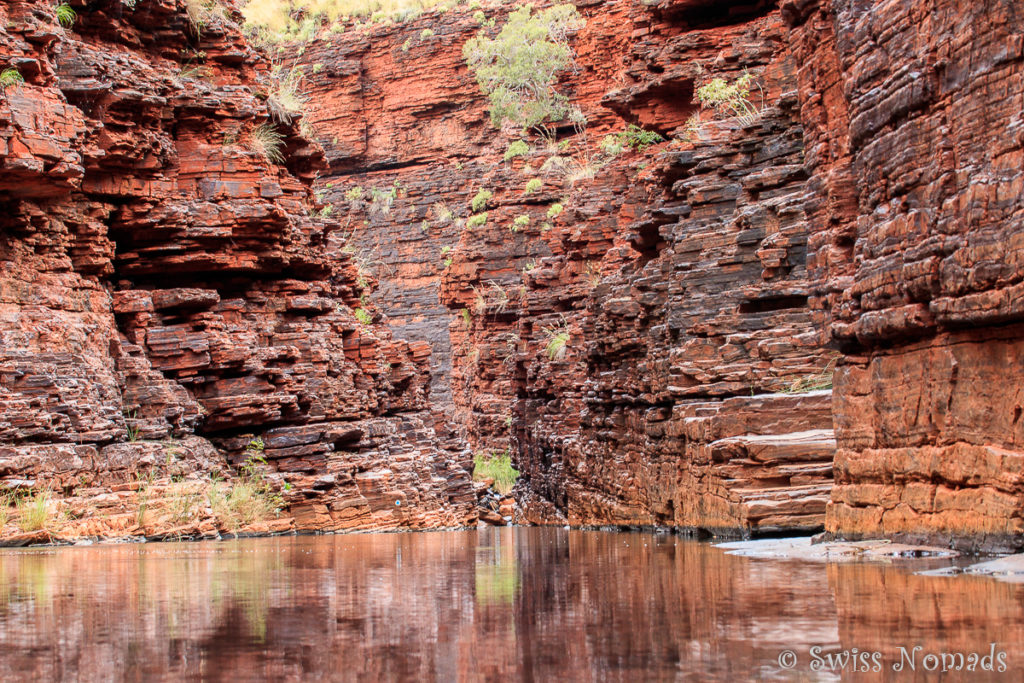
x: 495, y: 604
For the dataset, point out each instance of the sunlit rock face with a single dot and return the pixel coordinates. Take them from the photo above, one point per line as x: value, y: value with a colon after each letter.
x: 914, y: 142
x: 167, y: 297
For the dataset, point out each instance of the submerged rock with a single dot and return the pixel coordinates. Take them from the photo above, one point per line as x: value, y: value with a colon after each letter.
x: 836, y: 551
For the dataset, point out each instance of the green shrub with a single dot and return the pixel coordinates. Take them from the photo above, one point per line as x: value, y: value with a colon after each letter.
x: 634, y: 137
x: 286, y: 101
x: 244, y: 503
x: 5, y: 509
x: 476, y: 220
x: 381, y: 200
x: 362, y: 316
x: 354, y: 194
x: 202, y: 13
x: 65, y: 15
x: 612, y: 145
x: 299, y: 20
x: 33, y: 513
x: 131, y: 425
x: 479, y: 202
x: 426, y: 33
x: 692, y: 128
x: 496, y: 466
x: 576, y: 171
x: 518, y: 148
x: 557, y: 340
x: 731, y: 99
x: 555, y: 210
x: 520, y: 222
x: 10, y: 78
x: 638, y: 138
x: 533, y: 185
x: 518, y: 69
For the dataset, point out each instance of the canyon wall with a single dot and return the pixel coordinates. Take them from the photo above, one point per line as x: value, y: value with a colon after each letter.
x: 676, y: 274
x: 863, y: 225
x: 652, y: 334
x: 169, y: 296
x: 915, y: 140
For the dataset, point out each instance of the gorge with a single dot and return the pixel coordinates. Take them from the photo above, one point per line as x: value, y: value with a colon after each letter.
x: 804, y: 320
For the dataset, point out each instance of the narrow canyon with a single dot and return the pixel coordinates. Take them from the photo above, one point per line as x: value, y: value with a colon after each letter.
x: 802, y: 318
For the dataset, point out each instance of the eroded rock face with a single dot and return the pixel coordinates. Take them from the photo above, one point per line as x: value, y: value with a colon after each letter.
x: 915, y: 134
x: 863, y: 223
x: 636, y: 349
x: 688, y: 343
x: 677, y: 274
x: 161, y: 280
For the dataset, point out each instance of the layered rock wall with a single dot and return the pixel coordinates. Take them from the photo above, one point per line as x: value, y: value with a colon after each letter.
x: 676, y: 274
x: 688, y: 344
x: 639, y: 332
x: 862, y: 224
x: 915, y: 135
x: 167, y: 295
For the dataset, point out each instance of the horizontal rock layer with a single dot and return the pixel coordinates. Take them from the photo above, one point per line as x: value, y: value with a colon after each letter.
x: 677, y: 274
x: 167, y: 295
x: 915, y: 143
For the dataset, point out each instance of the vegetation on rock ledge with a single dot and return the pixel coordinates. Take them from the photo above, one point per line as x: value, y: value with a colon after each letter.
x: 518, y: 68
x: 498, y: 468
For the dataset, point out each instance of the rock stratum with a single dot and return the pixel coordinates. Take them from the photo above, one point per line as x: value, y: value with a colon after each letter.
x: 861, y: 227
x: 809, y: 319
x: 168, y: 295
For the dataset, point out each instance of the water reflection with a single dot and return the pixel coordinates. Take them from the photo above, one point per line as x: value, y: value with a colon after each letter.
x: 498, y: 604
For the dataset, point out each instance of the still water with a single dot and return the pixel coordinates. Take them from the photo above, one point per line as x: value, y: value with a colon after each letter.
x: 495, y: 604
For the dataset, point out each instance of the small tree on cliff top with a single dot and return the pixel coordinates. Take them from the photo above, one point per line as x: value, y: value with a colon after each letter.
x: 518, y: 68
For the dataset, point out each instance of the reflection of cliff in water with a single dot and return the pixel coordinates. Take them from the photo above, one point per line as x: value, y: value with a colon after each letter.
x: 498, y: 603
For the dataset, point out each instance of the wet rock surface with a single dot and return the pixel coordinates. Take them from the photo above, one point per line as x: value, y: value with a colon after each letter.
x: 875, y: 550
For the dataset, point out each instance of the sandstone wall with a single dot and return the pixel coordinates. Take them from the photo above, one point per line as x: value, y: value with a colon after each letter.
x: 167, y: 294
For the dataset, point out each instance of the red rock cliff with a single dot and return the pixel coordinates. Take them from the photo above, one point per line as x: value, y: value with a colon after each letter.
x: 863, y: 223
x: 915, y: 142
x: 167, y: 294
x: 160, y: 279
x: 678, y: 274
